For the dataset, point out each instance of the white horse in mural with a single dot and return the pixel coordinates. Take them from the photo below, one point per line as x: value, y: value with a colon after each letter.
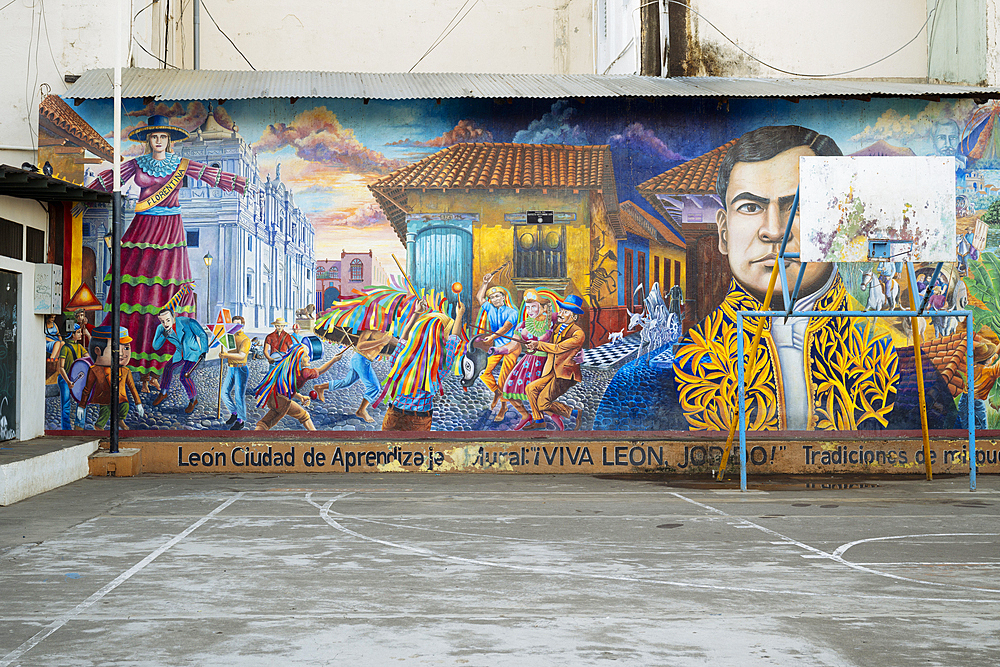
x: 877, y: 298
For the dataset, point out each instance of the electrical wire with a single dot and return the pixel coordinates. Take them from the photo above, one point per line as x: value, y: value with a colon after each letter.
x: 48, y: 42
x: 29, y: 95
x: 801, y: 74
x: 451, y: 25
x: 140, y: 45
x: 159, y: 59
x: 225, y: 35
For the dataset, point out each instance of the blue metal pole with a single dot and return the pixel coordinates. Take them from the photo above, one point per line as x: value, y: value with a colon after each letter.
x: 930, y: 288
x: 970, y: 393
x: 795, y: 292
x: 741, y: 388
x: 788, y: 227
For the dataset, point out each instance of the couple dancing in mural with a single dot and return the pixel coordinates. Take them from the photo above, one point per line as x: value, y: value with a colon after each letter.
x: 154, y: 258
x: 538, y: 355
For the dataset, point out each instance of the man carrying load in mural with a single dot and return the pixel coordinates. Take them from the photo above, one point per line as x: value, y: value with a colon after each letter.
x: 154, y: 257
x: 428, y: 345
x: 498, y: 317
x: 562, y: 367
x: 280, y: 389
x: 98, y: 388
x: 235, y: 385
x: 190, y: 341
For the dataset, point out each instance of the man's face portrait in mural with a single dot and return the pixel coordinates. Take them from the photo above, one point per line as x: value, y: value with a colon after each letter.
x: 946, y: 137
x: 497, y: 299
x: 761, y: 175
x: 166, y: 319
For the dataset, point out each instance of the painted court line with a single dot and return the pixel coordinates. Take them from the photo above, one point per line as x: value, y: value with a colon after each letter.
x: 835, y: 556
x: 328, y: 516
x: 110, y: 586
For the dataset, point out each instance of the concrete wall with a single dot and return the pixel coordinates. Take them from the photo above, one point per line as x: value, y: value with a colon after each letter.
x: 810, y: 37
x: 30, y: 334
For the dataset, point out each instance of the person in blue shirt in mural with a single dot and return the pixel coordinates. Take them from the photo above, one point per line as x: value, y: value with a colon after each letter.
x: 497, y: 317
x: 190, y: 341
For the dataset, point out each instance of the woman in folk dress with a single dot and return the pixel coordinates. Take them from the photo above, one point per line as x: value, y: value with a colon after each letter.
x: 154, y: 257
x: 536, y: 325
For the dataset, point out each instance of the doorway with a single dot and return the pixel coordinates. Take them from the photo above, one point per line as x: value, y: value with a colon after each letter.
x: 8, y: 355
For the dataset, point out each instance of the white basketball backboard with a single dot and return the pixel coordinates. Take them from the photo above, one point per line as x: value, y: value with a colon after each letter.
x: 860, y: 209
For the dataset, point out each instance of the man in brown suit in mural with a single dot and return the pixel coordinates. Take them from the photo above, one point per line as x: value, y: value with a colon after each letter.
x: 562, y: 367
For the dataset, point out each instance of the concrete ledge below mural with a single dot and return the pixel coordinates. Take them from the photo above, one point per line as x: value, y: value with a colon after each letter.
x: 677, y: 456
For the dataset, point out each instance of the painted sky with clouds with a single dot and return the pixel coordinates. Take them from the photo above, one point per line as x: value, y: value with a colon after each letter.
x: 329, y: 151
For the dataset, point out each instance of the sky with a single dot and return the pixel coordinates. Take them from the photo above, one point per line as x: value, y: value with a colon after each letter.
x: 329, y: 151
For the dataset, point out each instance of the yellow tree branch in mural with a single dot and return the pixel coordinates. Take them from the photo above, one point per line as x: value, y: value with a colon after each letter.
x: 706, y: 375
x: 856, y: 373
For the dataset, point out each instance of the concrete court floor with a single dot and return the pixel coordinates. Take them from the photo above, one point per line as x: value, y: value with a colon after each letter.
x: 500, y: 570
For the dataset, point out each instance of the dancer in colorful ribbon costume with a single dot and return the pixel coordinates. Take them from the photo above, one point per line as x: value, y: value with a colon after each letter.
x: 366, y: 322
x: 281, y: 385
x: 154, y: 257
x: 430, y: 343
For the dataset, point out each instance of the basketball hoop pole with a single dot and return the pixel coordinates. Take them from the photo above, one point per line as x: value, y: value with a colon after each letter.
x: 917, y: 357
x: 918, y: 310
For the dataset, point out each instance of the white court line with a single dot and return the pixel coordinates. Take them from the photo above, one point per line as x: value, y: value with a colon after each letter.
x: 835, y: 556
x: 326, y: 515
x: 110, y: 586
x: 839, y: 551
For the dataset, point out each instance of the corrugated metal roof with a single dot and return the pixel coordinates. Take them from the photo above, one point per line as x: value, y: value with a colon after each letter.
x: 234, y: 85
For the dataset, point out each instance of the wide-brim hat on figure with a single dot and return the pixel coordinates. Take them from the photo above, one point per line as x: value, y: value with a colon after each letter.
x: 158, y: 123
x: 104, y: 333
x: 279, y: 321
x: 573, y: 304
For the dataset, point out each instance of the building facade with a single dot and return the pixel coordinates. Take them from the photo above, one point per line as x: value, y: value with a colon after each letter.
x: 338, y: 278
x: 250, y: 253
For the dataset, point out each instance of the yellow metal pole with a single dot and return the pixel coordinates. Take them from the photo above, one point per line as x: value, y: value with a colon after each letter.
x: 734, y: 421
x: 920, y: 392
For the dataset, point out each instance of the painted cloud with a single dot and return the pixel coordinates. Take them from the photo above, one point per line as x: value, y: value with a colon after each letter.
x: 317, y: 136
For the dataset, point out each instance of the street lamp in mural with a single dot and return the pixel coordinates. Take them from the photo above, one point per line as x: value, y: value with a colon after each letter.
x: 208, y: 290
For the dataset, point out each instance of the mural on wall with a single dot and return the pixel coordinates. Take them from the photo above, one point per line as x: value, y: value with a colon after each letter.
x: 477, y: 265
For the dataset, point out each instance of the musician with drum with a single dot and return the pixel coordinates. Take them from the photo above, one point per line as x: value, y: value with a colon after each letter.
x: 72, y: 351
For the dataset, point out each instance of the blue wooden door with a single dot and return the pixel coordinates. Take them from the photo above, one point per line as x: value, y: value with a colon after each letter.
x: 444, y: 257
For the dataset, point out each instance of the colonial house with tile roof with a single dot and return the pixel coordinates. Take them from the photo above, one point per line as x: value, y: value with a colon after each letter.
x: 67, y: 138
x: 537, y: 214
x: 649, y: 254
x: 686, y: 196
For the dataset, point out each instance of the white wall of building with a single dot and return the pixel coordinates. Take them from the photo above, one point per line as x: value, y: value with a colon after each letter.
x: 809, y: 37
x: 510, y: 36
x: 30, y: 327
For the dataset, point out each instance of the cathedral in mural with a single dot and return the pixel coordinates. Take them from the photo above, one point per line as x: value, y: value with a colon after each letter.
x: 467, y: 265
